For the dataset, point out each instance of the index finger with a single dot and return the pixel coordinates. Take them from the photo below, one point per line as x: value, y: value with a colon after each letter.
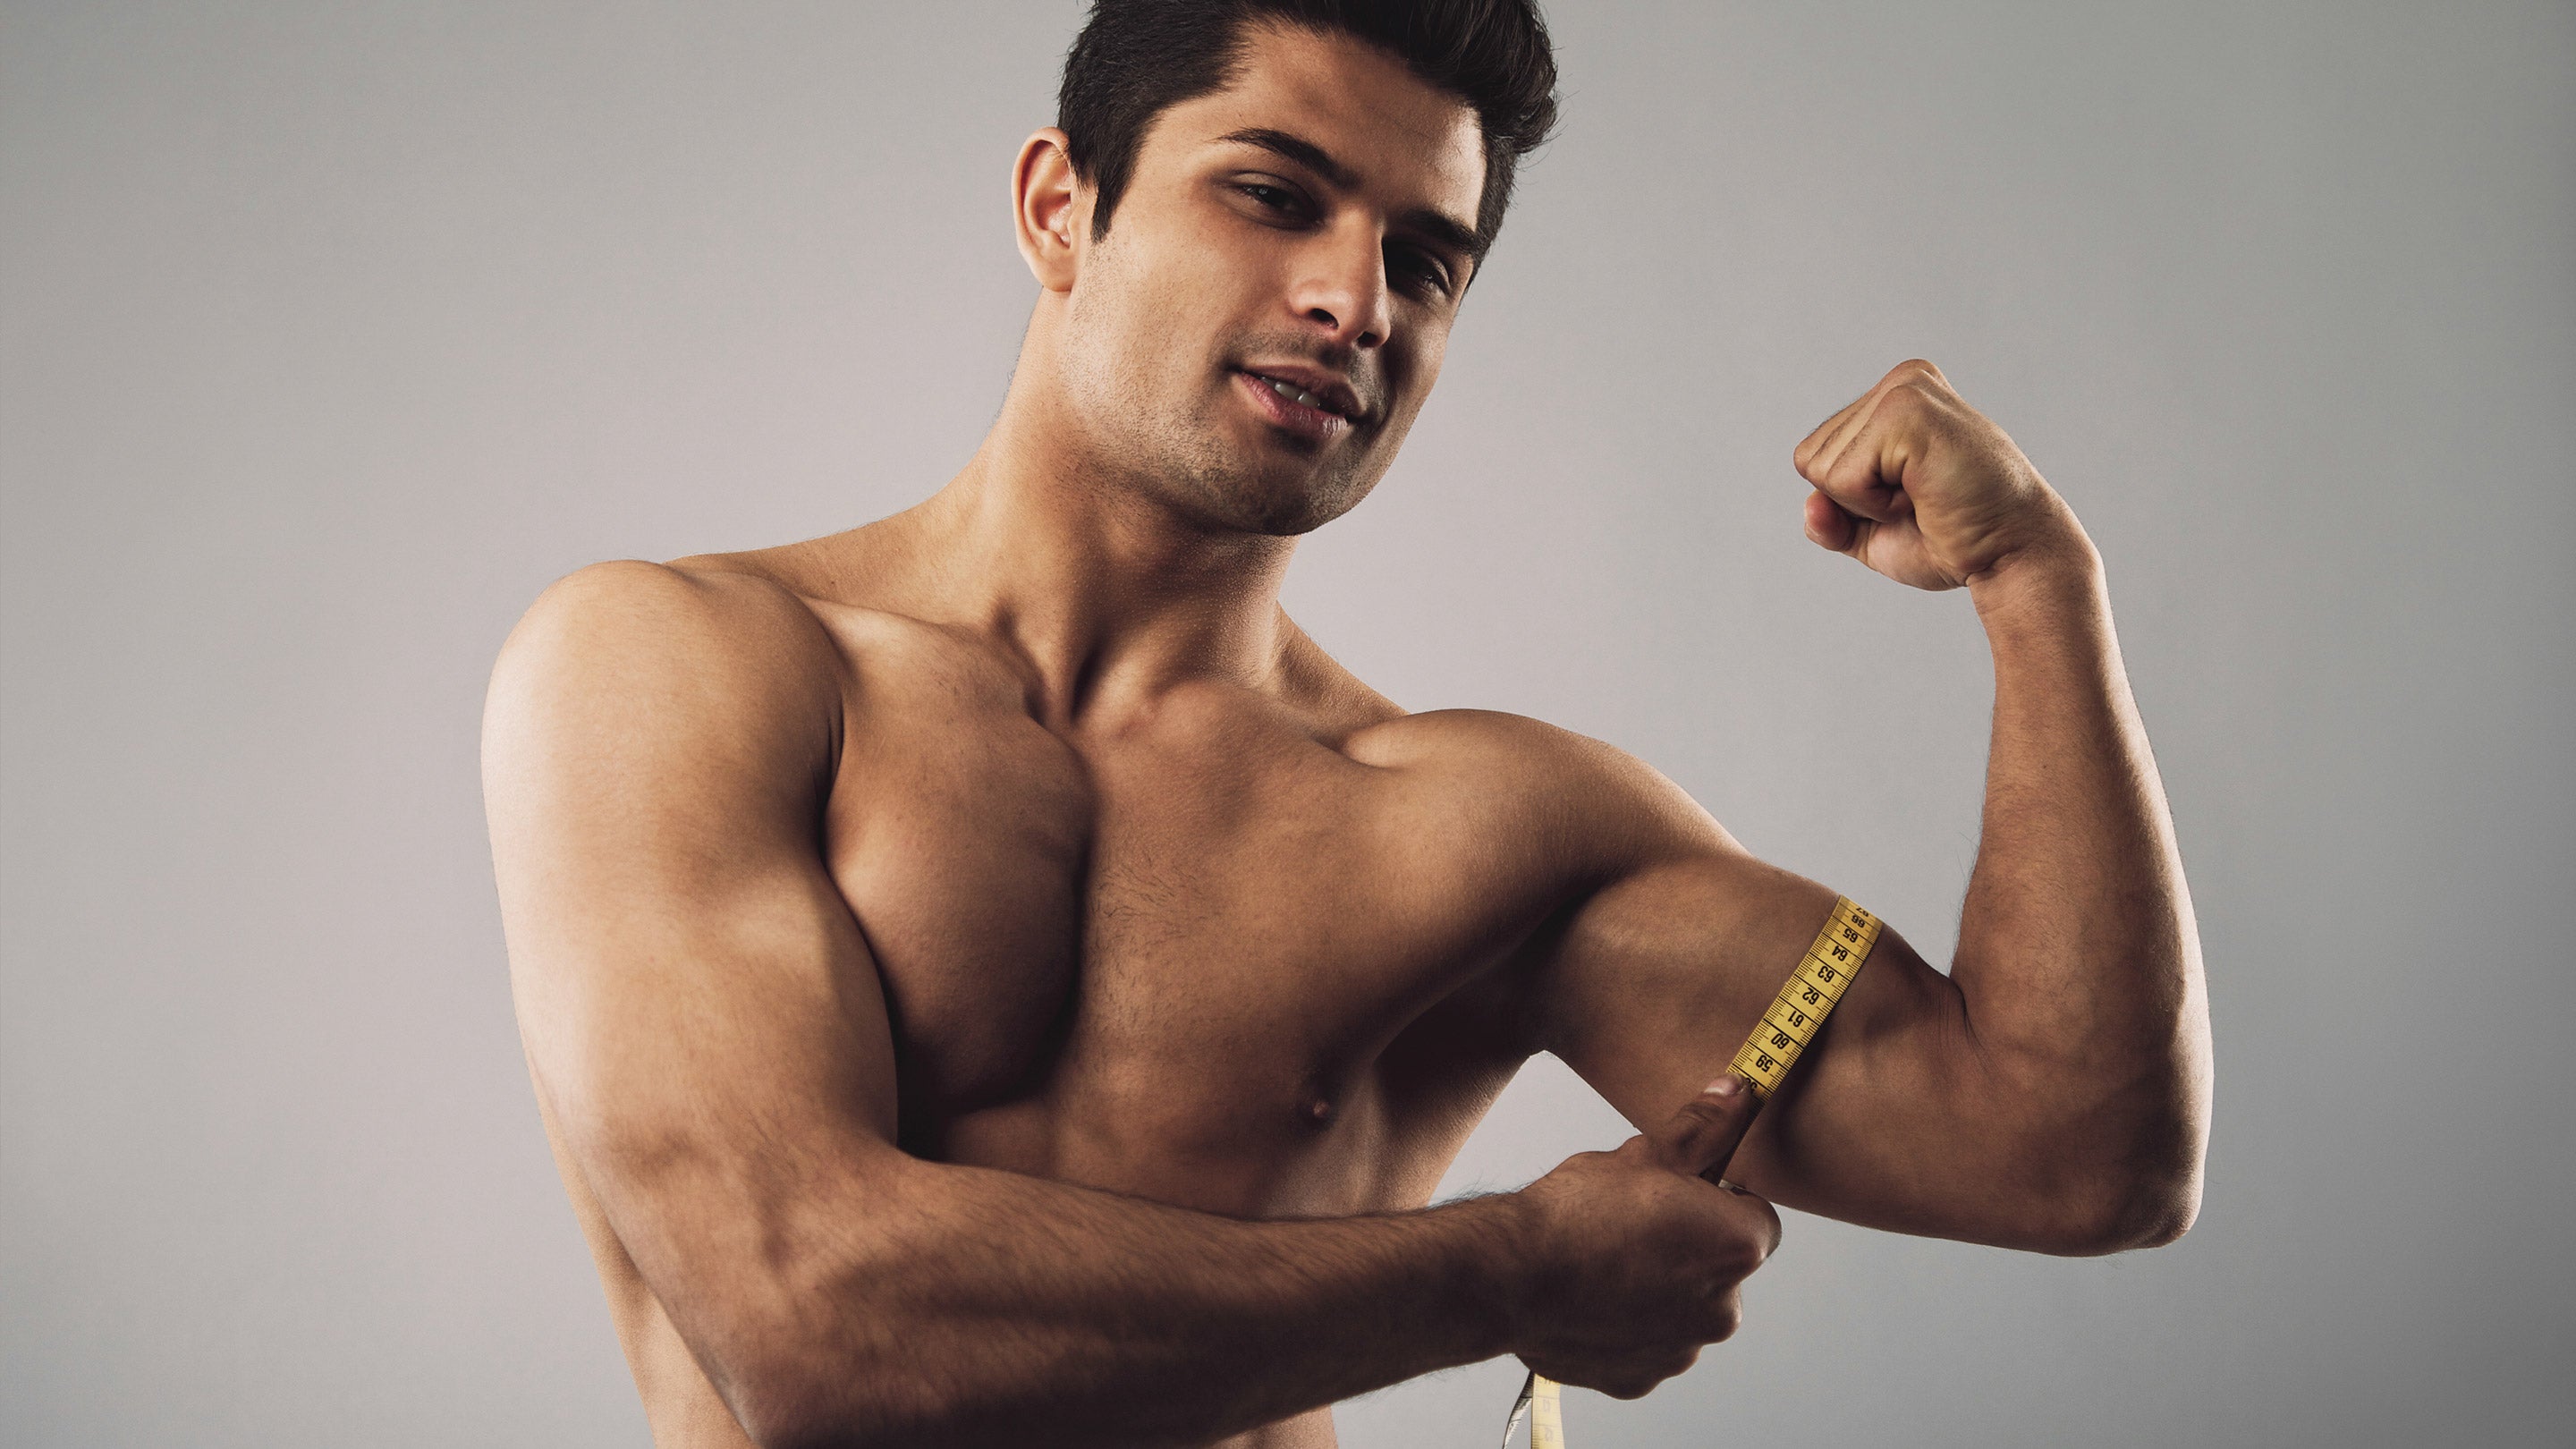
x: 1818, y: 442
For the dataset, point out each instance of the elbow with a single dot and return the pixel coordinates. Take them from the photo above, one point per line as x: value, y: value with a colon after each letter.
x: 2137, y: 1199
x: 815, y: 1339
x: 2160, y: 1211
x: 793, y: 1406
x: 2148, y: 1212
x: 810, y: 1385
x: 781, y: 1407
x: 796, y: 1375
x: 778, y: 1402
x: 2107, y: 1166
x: 780, y: 1426
x: 774, y: 1416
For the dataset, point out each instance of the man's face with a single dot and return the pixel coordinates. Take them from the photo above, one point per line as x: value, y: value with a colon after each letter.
x: 1254, y: 336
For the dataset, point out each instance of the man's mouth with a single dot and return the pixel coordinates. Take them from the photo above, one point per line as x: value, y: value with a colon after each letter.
x: 1304, y: 401
x: 1297, y: 395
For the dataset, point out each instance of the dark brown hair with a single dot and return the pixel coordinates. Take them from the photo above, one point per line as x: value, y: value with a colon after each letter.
x: 1135, y: 58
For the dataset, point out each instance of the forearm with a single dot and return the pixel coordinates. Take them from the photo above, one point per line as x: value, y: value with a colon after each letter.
x: 978, y: 1307
x: 2078, y: 960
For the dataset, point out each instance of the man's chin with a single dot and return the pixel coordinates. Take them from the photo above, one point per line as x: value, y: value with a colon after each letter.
x: 1278, y: 507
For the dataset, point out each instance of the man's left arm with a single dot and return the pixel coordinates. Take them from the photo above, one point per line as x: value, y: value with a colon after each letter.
x: 2052, y: 1091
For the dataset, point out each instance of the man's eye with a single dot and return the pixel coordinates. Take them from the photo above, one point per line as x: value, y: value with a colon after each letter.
x: 1423, y: 270
x: 1272, y: 198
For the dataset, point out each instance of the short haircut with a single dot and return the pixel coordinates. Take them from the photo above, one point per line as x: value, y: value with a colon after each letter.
x: 1136, y: 58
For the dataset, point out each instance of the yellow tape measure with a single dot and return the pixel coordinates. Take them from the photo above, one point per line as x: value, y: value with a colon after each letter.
x: 1793, y: 1020
x: 1798, y: 1012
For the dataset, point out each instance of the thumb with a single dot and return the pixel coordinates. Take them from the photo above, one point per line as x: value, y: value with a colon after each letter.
x: 1830, y: 525
x: 1702, y: 1135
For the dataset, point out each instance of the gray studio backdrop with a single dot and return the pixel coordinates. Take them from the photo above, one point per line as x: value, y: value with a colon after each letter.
x: 334, y: 331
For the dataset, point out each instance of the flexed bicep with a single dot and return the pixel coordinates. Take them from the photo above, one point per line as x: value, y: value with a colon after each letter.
x: 1662, y: 974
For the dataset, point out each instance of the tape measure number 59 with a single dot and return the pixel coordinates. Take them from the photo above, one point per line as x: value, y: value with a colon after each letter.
x: 1794, y: 1018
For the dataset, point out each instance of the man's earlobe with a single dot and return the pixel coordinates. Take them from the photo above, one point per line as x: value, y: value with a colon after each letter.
x: 1049, y: 203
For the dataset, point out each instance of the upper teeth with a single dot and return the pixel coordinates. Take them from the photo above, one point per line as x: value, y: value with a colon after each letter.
x: 1294, y: 394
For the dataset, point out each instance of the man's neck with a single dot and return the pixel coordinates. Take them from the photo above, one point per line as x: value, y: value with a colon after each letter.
x: 1109, y: 595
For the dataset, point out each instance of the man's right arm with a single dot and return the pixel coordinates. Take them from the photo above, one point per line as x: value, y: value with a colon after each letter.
x: 706, y: 1026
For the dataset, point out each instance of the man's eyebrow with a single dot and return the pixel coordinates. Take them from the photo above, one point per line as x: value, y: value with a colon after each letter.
x: 1447, y: 231
x: 1296, y: 148
x: 1439, y: 227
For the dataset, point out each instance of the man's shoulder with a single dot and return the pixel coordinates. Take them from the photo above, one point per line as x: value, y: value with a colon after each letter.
x: 1588, y: 792
x: 1485, y: 740
x: 676, y: 651
x: 750, y: 641
x: 629, y: 614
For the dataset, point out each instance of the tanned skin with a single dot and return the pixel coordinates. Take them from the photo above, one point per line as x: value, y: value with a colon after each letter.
x: 990, y: 979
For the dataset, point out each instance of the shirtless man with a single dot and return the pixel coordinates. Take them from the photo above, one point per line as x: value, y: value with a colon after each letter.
x: 990, y: 979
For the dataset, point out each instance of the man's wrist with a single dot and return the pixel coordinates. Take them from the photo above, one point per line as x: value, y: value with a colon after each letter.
x: 1502, y: 1267
x: 2051, y: 576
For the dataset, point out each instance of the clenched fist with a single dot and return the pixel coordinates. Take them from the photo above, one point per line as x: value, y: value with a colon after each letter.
x: 1921, y: 487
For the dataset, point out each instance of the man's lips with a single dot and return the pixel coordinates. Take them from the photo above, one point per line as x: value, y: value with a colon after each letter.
x: 1302, y: 420
x: 1310, y: 390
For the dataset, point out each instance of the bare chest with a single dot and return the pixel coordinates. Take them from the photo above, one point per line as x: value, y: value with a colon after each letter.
x: 1212, y: 961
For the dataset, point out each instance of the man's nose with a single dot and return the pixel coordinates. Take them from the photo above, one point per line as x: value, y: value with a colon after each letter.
x: 1341, y: 285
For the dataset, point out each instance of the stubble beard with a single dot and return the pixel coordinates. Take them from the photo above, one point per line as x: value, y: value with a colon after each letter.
x: 1186, y: 457
x: 1203, y: 476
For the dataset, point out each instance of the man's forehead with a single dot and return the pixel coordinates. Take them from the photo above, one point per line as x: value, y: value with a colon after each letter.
x: 1384, y: 125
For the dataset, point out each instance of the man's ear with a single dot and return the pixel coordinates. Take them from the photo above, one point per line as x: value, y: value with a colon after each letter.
x: 1049, y: 204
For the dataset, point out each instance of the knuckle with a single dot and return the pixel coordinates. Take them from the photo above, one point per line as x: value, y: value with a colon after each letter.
x: 1756, y: 1252
x: 1765, y: 1227
x: 1739, y: 1261
x: 1632, y: 1385
x: 1684, y: 1360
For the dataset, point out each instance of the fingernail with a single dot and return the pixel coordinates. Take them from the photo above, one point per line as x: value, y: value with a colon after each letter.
x: 1726, y: 1086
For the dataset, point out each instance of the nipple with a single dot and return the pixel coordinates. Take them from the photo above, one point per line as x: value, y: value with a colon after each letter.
x: 1319, y: 1112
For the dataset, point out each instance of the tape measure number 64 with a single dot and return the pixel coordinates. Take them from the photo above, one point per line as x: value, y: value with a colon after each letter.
x: 1794, y: 1018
